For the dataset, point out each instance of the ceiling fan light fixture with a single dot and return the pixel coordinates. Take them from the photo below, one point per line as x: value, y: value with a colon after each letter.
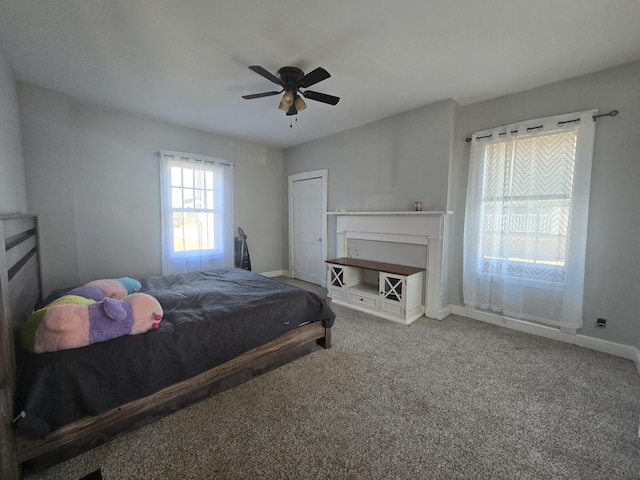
x: 287, y: 101
x: 299, y: 103
x: 291, y: 80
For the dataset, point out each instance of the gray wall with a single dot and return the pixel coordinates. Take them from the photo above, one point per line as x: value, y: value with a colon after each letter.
x: 49, y: 168
x: 422, y: 155
x: 384, y: 165
x: 13, y: 191
x: 93, y: 176
x: 612, y: 278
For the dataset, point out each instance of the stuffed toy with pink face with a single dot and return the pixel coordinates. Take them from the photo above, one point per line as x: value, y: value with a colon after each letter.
x: 107, y: 288
x: 71, y: 325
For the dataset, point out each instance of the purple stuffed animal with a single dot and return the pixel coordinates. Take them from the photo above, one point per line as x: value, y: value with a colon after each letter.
x: 70, y: 325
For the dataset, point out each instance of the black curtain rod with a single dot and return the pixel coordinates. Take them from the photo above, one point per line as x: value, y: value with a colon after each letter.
x: 612, y: 113
x: 595, y: 118
x: 197, y: 160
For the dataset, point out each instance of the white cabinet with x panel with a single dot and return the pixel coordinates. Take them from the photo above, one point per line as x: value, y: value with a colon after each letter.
x: 387, y: 290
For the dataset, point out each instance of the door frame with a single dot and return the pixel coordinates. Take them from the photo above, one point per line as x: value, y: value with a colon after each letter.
x: 324, y: 176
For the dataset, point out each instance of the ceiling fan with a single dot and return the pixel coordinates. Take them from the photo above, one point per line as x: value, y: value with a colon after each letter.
x: 292, y: 79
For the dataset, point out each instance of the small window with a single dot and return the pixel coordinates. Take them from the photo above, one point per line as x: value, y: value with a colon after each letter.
x: 193, y: 209
x: 197, y: 213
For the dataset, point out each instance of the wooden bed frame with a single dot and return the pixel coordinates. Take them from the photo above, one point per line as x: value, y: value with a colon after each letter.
x: 21, y: 290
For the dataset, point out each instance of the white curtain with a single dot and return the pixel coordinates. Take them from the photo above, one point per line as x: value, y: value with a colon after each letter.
x: 526, y: 216
x: 197, y: 212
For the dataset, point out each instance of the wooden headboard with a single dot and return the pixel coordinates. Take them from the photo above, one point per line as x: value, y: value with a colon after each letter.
x: 20, y: 291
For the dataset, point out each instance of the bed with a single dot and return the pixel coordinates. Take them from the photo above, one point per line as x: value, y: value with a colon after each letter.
x: 220, y: 328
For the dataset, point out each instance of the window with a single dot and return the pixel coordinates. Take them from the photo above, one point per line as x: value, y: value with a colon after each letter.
x: 526, y: 205
x: 526, y: 218
x: 196, y: 213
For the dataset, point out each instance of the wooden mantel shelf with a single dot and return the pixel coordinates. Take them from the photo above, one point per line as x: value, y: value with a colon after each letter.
x: 408, y: 212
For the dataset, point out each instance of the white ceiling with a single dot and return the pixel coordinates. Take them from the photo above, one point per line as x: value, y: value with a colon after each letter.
x: 186, y: 60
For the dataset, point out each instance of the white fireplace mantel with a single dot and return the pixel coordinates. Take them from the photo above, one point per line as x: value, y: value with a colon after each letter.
x: 408, y: 227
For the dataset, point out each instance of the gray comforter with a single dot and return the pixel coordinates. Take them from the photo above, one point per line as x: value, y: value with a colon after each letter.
x: 210, y: 317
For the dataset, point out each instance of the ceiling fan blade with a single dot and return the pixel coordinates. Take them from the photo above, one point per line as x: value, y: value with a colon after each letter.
x: 313, y: 77
x: 266, y: 74
x: 321, y: 97
x: 260, y: 95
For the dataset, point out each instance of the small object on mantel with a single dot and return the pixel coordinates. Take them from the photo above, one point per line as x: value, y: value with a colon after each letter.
x: 417, y: 206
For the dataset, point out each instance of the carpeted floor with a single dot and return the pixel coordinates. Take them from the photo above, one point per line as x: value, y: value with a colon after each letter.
x: 452, y: 399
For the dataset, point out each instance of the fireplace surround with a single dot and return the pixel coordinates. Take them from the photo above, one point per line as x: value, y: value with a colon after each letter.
x: 426, y: 228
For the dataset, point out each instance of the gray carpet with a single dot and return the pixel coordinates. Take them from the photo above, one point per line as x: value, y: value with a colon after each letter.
x: 452, y: 399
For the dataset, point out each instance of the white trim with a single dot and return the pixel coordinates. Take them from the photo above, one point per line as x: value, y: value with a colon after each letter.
x: 407, y: 212
x: 624, y: 351
x: 274, y: 273
x: 636, y: 360
x: 324, y: 176
x: 443, y: 313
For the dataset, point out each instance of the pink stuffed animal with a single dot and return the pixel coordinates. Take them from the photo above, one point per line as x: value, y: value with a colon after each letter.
x: 99, y: 289
x: 69, y: 325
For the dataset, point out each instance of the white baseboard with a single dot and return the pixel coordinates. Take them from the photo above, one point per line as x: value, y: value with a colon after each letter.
x: 439, y: 314
x: 289, y: 274
x: 624, y: 351
x: 276, y: 273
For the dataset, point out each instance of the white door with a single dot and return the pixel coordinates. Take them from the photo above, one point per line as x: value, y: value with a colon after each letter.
x: 308, y: 226
x: 307, y: 230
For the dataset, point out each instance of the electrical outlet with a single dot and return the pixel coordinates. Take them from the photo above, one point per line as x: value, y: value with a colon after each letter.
x: 601, y: 322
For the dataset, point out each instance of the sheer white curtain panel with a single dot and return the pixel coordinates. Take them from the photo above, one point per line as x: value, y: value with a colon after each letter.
x: 525, y: 226
x: 196, y: 212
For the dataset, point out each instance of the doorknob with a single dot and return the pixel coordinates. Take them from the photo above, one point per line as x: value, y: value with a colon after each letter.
x: 319, y: 239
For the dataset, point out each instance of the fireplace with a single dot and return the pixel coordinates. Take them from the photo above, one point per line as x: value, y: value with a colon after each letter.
x: 423, y: 229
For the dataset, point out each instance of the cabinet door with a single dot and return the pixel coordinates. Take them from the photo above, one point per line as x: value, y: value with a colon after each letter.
x: 393, y: 292
x: 393, y: 287
x: 336, y: 276
x: 341, y: 276
x: 335, y: 281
